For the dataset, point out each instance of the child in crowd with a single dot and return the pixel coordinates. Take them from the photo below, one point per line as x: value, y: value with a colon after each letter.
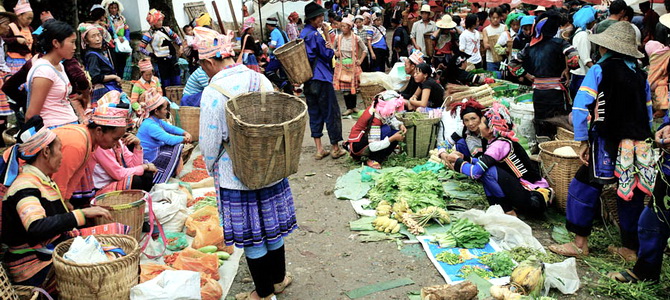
x: 147, y: 80
x: 490, y: 37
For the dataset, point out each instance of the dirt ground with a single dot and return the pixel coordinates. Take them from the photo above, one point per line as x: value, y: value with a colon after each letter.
x: 326, y: 258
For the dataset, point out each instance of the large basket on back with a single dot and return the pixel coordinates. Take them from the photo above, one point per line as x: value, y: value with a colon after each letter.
x: 368, y: 93
x: 174, y: 93
x: 563, y: 134
x: 421, y: 135
x: 266, y: 132
x: 429, y: 44
x: 189, y: 120
x: 559, y: 170
x: 126, y: 207
x: 293, y: 57
x: 106, y: 280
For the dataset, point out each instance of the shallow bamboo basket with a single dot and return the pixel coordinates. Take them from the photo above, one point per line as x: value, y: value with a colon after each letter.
x: 559, y: 170
x: 189, y: 120
x: 110, y: 280
x: 127, y: 87
x: 563, y: 134
x: 126, y: 207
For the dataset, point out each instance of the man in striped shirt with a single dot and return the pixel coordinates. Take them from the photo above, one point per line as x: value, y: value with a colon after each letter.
x: 194, y: 86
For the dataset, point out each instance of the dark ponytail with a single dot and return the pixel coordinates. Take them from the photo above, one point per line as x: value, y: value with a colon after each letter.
x: 53, y: 30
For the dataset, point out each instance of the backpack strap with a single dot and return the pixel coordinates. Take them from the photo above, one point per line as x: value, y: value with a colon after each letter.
x: 31, y: 73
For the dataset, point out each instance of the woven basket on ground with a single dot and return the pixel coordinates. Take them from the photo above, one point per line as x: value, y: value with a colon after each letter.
x: 126, y: 207
x: 608, y: 201
x: 106, y: 280
x: 6, y: 290
x: 559, y: 170
x: 563, y: 134
x: 368, y: 93
x: 421, y: 135
x: 293, y: 57
x: 188, y: 118
x: 266, y: 132
x: 174, y: 93
x: 127, y: 87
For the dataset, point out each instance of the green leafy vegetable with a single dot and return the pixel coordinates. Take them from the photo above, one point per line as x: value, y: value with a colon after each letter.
x: 208, y: 201
x: 466, y: 270
x: 449, y: 258
x: 463, y: 234
x: 419, y: 190
x: 500, y: 263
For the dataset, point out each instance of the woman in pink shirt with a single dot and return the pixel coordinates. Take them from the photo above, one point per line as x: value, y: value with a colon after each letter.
x: 48, y: 86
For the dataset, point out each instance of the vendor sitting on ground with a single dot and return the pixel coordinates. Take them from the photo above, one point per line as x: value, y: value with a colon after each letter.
x: 377, y: 132
x: 410, y: 68
x: 161, y: 141
x: 469, y: 143
x: 457, y: 74
x: 121, y: 167
x: 147, y: 80
x: 34, y: 215
x: 510, y: 179
x: 429, y: 93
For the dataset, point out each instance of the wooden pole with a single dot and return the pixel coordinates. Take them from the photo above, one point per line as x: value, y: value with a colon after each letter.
x: 232, y: 12
x: 260, y: 17
x: 218, y: 17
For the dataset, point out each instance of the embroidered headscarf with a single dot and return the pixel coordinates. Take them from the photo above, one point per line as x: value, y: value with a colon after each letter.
x: 213, y: 44
x: 203, y: 20
x: 145, y: 65
x: 467, y: 106
x: 29, y: 144
x: 499, y: 120
x: 545, y: 28
x: 154, y: 16
x: 388, y: 103
x: 110, y: 115
x: 152, y: 100
x: 23, y: 6
x: 293, y: 16
x: 584, y: 16
x: 84, y: 29
x: 248, y: 23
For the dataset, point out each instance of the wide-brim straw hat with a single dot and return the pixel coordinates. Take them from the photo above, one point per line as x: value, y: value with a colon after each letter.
x: 446, y: 22
x: 620, y: 38
x: 426, y: 8
x: 665, y: 20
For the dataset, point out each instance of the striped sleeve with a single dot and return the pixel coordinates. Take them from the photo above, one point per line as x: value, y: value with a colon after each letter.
x: 144, y: 42
x: 586, y: 95
x: 30, y: 210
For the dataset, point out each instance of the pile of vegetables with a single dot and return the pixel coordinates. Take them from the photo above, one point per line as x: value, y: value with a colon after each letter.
x: 499, y: 263
x: 221, y: 255
x: 480, y: 271
x: 206, y: 201
x: 199, y: 163
x: 195, y: 176
x: 528, y: 277
x: 510, y: 93
x: 449, y: 258
x: 463, y: 234
x: 418, y: 190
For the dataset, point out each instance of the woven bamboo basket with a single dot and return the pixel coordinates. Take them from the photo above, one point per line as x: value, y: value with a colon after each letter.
x: 106, y: 280
x: 7, y: 291
x: 563, y: 134
x: 266, y: 132
x: 25, y: 292
x: 127, y: 87
x: 421, y: 135
x: 559, y: 170
x: 189, y: 120
x: 608, y: 202
x: 368, y: 93
x: 126, y: 207
x: 429, y: 44
x: 187, y: 151
x: 293, y: 57
x: 174, y: 93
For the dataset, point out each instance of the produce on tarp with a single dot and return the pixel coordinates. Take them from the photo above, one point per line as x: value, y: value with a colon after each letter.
x: 482, y: 272
x: 413, y: 227
x: 386, y: 224
x: 419, y: 190
x: 499, y: 263
x: 193, y: 260
x: 204, y: 201
x: 151, y: 270
x: 528, y: 277
x: 463, y: 234
x: 383, y: 209
x: 401, y: 208
x: 465, y: 290
x: 449, y: 258
x: 438, y: 214
x: 195, y: 176
x: 199, y: 163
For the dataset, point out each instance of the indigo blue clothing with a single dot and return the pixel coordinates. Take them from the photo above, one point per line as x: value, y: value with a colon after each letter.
x: 320, y: 57
x: 322, y: 107
x: 258, y: 251
x: 191, y: 100
x: 154, y: 133
x: 653, y: 232
x: 196, y: 83
x: 504, y: 189
x: 575, y: 84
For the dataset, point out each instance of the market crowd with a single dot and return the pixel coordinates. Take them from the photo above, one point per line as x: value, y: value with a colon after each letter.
x: 601, y: 71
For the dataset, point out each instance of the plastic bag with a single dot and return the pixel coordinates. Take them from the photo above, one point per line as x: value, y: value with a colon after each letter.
x: 562, y: 275
x: 210, y: 289
x: 176, y: 241
x: 150, y: 271
x: 508, y: 231
x: 86, y: 250
x: 169, y: 204
x: 448, y: 126
x: 169, y: 285
x: 206, y: 228
x: 122, y: 47
x: 194, y: 260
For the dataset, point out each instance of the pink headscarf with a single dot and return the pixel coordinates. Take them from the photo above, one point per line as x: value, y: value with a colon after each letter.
x: 213, y: 44
x: 154, y: 16
x: 388, y: 103
x: 349, y: 20
x: 248, y: 23
x: 499, y: 120
x: 23, y: 6
x: 84, y: 29
x: 145, y: 65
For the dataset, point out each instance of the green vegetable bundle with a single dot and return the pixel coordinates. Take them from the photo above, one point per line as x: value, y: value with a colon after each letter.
x: 466, y: 270
x: 463, y: 234
x: 500, y: 263
x: 419, y: 190
x: 208, y: 201
x: 449, y: 258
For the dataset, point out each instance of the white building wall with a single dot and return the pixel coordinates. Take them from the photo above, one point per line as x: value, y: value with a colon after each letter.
x: 136, y: 11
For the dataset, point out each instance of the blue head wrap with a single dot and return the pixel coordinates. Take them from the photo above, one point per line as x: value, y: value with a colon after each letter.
x: 527, y: 20
x: 585, y: 15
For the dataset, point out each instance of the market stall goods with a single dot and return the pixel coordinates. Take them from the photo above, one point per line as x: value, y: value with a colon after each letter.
x: 126, y: 207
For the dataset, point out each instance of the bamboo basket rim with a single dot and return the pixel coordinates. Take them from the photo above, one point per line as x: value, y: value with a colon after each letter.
x: 129, y: 255
x: 288, y: 46
x: 544, y: 148
x: 264, y: 95
x: 117, y: 207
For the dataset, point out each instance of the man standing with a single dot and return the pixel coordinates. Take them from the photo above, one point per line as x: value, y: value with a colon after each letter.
x: 617, y: 11
x: 421, y: 28
x: 274, y: 70
x: 649, y: 21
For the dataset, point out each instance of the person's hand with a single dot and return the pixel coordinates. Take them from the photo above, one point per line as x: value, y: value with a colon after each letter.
x: 359, y: 62
x: 21, y: 40
x: 661, y: 137
x: 96, y: 211
x: 328, y: 45
x: 584, y: 152
x: 374, y: 57
x: 130, y: 139
x: 187, y: 137
x: 397, y: 137
x: 453, y: 157
x: 403, y: 129
x: 417, y: 48
x: 117, y: 79
x: 150, y: 167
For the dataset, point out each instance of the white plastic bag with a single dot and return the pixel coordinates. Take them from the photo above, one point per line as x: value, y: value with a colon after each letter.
x: 562, y: 276
x: 509, y: 232
x: 122, y: 47
x: 448, y: 126
x: 169, y: 285
x: 169, y: 204
x: 86, y: 250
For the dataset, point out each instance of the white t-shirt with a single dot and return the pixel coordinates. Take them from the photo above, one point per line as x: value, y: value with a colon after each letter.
x: 581, y: 42
x: 470, y: 42
x: 490, y: 31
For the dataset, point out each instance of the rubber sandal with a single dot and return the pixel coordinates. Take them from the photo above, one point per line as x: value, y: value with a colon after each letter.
x: 347, y: 112
x: 335, y: 154
x: 280, y: 287
x: 617, y: 251
x: 247, y: 296
x: 320, y: 156
x: 625, y: 276
x: 373, y: 164
x: 566, y: 250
